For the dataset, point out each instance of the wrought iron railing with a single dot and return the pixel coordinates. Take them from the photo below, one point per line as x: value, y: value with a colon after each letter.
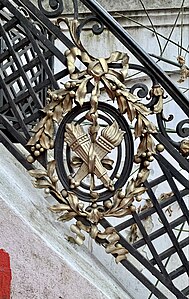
x: 41, y: 116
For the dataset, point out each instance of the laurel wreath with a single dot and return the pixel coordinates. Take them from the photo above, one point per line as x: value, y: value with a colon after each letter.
x: 60, y: 102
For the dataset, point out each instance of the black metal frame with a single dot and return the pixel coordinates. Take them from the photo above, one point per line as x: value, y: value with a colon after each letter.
x: 128, y: 141
x: 27, y: 49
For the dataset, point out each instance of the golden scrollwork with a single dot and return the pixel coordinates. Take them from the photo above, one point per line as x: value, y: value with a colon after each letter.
x: 109, y: 238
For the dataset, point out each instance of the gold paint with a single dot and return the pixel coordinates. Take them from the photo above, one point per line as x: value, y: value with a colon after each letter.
x: 158, y: 92
x: 113, y: 246
x: 37, y: 153
x: 30, y: 159
x: 160, y: 147
x: 91, y: 148
x: 184, y: 147
x: 133, y: 235
x: 92, y: 154
x: 184, y: 70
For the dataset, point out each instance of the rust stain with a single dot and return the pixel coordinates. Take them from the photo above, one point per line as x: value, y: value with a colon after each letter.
x: 5, y: 275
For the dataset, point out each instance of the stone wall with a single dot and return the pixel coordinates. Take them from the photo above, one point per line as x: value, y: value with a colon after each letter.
x: 44, y: 263
x: 122, y: 5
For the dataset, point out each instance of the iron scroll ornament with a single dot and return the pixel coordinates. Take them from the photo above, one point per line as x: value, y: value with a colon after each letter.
x: 56, y: 8
x: 121, y: 179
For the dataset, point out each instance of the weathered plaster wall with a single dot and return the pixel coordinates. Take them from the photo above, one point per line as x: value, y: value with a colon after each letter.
x: 37, y: 271
x: 102, y: 46
x: 44, y: 264
x: 122, y: 5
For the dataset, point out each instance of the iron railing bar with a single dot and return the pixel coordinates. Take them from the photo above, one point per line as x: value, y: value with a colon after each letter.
x: 36, y: 32
x: 181, y: 179
x: 175, y: 190
x: 150, y: 246
x: 186, y: 291
x: 41, y: 57
x: 12, y: 131
x: 25, y: 107
x: 26, y: 68
x: 12, y: 104
x: 150, y: 211
x: 37, y: 88
x: 19, y: 86
x: 157, y: 181
x: 12, y: 66
x: 174, y: 153
x: 168, y: 259
x: 126, y: 39
x: 167, y: 226
x: 10, y: 118
x: 161, y: 231
x: 14, y: 151
x: 33, y: 117
x: 30, y: 119
x: 38, y: 113
x: 179, y: 271
x: 167, y: 253
x: 42, y: 19
x: 148, y: 284
x: 13, y: 69
x: 155, y: 254
x: 45, y: 83
x: 18, y: 81
x: 57, y: 76
x: 20, y: 45
x: 9, y: 23
x: 20, y: 68
x: 134, y: 252
x: 24, y: 52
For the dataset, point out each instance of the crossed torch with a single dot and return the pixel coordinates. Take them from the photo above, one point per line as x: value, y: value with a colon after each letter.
x: 92, y: 154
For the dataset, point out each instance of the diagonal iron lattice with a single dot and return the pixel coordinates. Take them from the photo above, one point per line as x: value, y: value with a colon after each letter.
x: 28, y: 55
